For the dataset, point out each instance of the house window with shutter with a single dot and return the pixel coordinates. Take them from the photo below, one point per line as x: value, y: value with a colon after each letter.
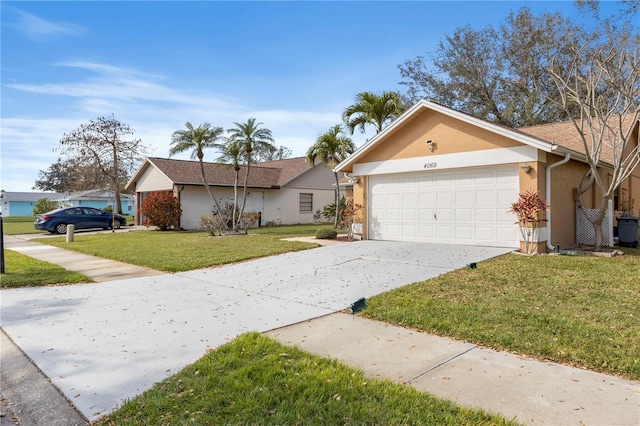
x: 306, y: 202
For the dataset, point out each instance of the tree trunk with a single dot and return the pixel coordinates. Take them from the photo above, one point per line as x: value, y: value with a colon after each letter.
x: 597, y: 224
x: 206, y: 186
x: 246, y: 181
x: 235, y: 201
x: 336, y: 220
x: 116, y: 182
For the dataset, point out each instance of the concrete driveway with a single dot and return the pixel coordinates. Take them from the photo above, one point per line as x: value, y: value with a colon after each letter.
x: 107, y: 342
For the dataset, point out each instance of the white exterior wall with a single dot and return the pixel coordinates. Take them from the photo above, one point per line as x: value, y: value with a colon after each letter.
x: 195, y: 202
x: 153, y: 179
x: 287, y: 205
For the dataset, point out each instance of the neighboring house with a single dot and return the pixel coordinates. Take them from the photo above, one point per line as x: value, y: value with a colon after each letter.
x: 21, y: 203
x: 98, y: 199
x: 288, y: 191
x: 439, y: 175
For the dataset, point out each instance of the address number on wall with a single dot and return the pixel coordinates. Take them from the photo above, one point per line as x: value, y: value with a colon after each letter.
x: 430, y: 165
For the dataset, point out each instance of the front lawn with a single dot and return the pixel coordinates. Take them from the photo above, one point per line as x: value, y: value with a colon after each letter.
x: 578, y: 310
x: 255, y: 380
x: 175, y: 251
x: 24, y: 271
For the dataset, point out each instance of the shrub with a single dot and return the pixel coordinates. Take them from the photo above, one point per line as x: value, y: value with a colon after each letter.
x: 530, y: 209
x: 161, y: 209
x: 213, y: 224
x: 329, y: 211
x: 350, y: 215
x: 44, y: 205
x: 326, y: 234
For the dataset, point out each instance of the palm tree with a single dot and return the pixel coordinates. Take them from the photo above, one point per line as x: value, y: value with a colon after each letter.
x: 331, y: 148
x: 198, y: 139
x: 232, y: 152
x: 370, y: 108
x: 251, y: 137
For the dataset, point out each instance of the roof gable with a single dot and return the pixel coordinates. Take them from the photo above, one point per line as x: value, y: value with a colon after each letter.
x: 555, y: 137
x: 466, y: 118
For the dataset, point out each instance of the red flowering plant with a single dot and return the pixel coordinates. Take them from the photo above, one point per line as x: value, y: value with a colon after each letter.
x: 530, y: 209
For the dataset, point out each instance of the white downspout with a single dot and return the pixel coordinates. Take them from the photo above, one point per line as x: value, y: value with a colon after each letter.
x: 547, y: 195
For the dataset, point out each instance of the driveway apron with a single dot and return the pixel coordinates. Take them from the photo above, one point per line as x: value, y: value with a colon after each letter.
x: 107, y: 342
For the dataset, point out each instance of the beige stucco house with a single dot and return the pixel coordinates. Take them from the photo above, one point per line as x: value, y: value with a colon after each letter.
x: 439, y: 175
x: 288, y: 191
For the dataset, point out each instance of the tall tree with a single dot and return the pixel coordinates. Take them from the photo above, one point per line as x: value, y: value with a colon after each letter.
x: 104, y: 144
x: 372, y: 109
x: 600, y: 92
x: 280, y: 153
x: 331, y: 147
x: 69, y: 175
x: 489, y: 72
x: 252, y: 138
x: 197, y: 139
x: 233, y: 152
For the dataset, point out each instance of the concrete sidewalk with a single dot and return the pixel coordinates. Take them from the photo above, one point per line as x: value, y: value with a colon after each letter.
x: 101, y: 343
x: 528, y: 391
x: 96, y: 268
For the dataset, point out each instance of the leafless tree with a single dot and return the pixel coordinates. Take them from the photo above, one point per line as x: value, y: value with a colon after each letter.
x: 103, y: 143
x: 600, y: 92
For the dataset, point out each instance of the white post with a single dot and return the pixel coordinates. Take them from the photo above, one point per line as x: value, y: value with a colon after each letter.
x: 70, y: 229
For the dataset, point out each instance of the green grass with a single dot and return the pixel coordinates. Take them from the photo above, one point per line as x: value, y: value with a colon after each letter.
x: 254, y: 380
x: 578, y: 310
x: 17, y: 225
x: 175, y: 251
x: 21, y: 225
x: 24, y: 271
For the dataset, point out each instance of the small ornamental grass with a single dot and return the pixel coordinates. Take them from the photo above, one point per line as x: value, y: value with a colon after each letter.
x: 254, y: 380
x: 577, y: 310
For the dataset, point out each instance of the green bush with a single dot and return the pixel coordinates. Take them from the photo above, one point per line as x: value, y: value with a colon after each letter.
x: 161, y: 209
x: 326, y: 234
x: 44, y: 205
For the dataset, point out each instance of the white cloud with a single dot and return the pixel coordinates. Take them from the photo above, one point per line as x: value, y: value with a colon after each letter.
x: 39, y: 29
x: 151, y: 103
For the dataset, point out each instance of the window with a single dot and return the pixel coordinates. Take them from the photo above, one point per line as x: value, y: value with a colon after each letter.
x: 306, y: 202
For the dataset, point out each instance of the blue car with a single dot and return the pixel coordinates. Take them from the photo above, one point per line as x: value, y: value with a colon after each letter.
x: 56, y: 221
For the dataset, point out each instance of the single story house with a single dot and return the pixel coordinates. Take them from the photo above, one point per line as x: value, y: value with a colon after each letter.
x: 21, y: 203
x: 439, y: 175
x: 289, y: 191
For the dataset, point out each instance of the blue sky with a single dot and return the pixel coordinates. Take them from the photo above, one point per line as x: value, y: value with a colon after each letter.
x: 155, y: 65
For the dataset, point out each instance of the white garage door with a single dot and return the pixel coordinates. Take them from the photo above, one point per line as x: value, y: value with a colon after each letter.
x: 457, y: 206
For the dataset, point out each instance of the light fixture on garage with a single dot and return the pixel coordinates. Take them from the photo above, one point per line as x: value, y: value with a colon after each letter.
x: 431, y: 145
x: 526, y: 168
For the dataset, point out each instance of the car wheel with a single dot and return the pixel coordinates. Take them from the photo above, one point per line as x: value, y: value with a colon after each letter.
x: 61, y: 228
x: 117, y: 224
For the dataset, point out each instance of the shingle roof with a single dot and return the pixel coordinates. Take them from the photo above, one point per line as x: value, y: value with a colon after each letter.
x: 31, y: 196
x: 566, y: 135
x: 271, y: 174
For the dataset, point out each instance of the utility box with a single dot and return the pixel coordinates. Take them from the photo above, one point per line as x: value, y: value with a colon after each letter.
x: 628, y: 231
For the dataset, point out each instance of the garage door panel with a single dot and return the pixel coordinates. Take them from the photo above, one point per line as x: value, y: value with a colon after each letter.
x: 485, y: 196
x: 467, y: 206
x: 463, y: 197
x: 485, y: 215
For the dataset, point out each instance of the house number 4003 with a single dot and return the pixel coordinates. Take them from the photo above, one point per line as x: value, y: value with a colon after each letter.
x: 430, y: 165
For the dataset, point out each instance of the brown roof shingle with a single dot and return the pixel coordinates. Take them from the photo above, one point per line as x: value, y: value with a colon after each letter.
x: 566, y: 135
x: 271, y: 174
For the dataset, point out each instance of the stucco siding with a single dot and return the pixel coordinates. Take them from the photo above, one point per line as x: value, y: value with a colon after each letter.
x: 286, y: 206
x: 448, y: 135
x: 195, y: 202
